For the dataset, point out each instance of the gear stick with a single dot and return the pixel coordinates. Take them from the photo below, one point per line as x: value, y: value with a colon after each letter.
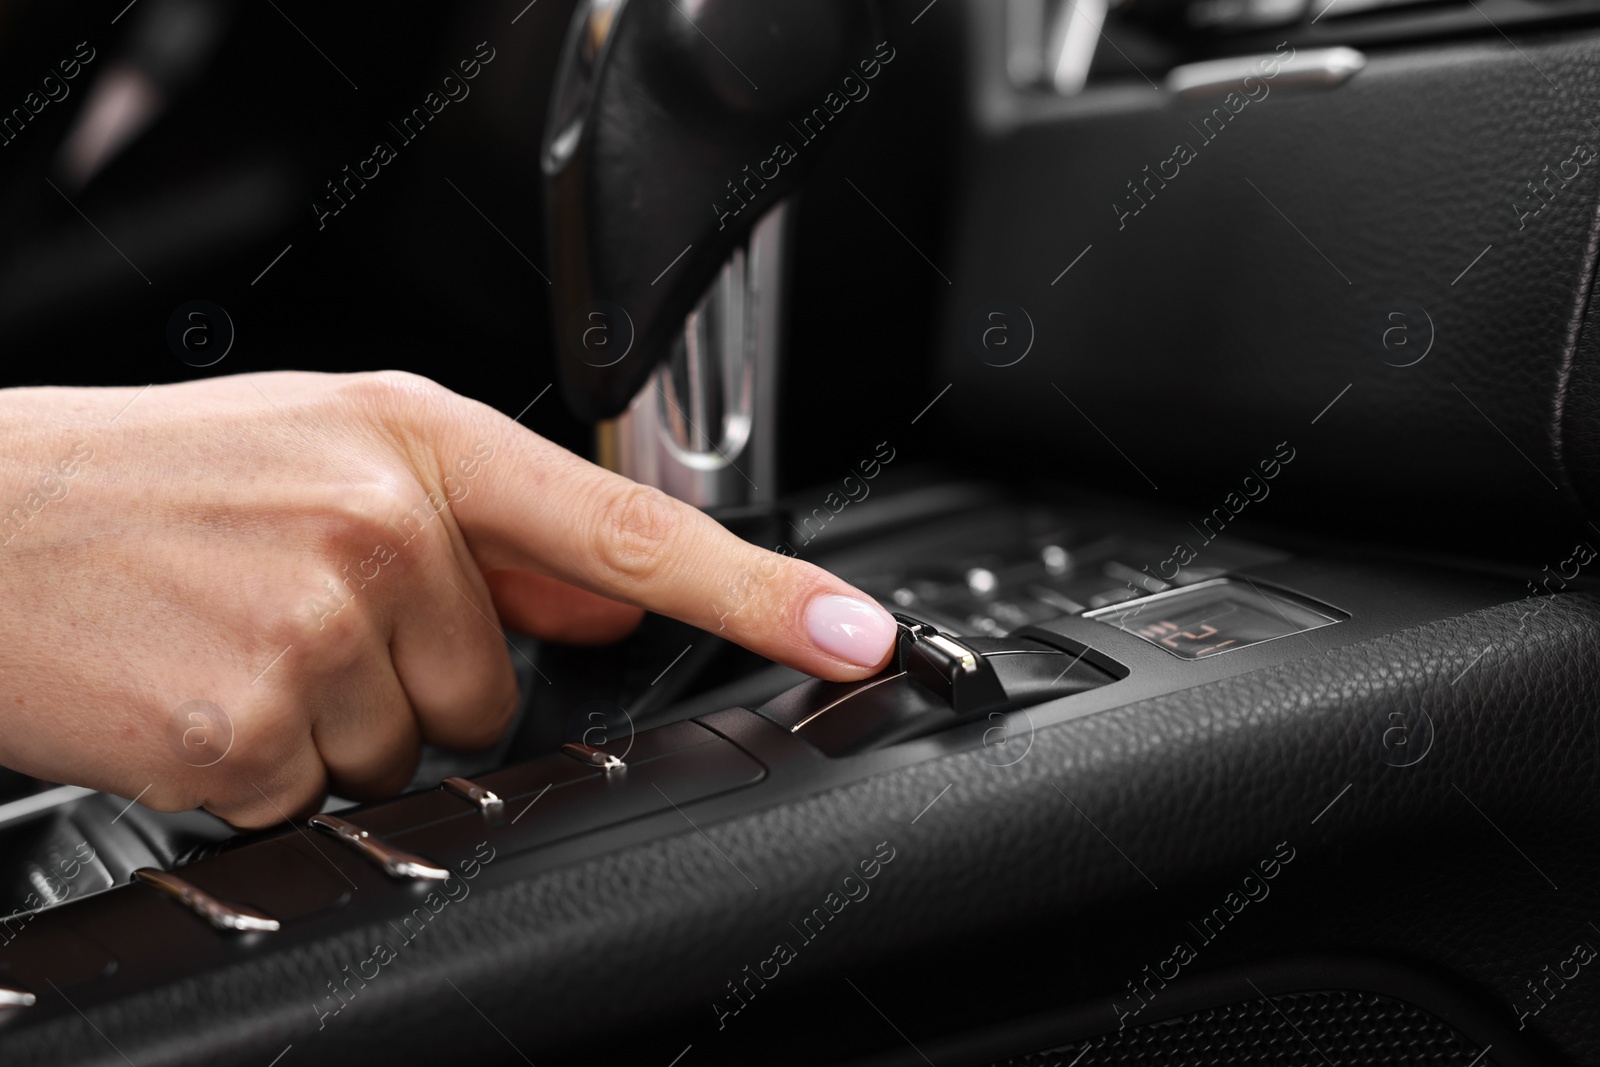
x: 667, y: 202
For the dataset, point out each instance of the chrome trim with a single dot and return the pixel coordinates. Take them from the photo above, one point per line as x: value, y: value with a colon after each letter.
x: 594, y: 757
x: 12, y: 997
x: 1050, y: 44
x: 1156, y: 598
x: 1025, y: 652
x: 829, y: 707
x: 963, y: 655
x: 219, y: 913
x: 1313, y: 68
x: 703, y: 427
x: 486, y: 799
x: 26, y: 807
x: 395, y: 863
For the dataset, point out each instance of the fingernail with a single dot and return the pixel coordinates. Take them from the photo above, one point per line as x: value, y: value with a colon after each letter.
x: 856, y: 631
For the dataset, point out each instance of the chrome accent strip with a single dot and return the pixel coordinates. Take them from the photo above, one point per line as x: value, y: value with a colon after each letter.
x: 594, y: 757
x: 12, y: 997
x: 796, y: 727
x: 963, y: 655
x: 1156, y: 598
x: 473, y: 793
x: 219, y: 913
x: 1311, y: 68
x: 24, y: 807
x: 395, y: 863
x: 1026, y: 652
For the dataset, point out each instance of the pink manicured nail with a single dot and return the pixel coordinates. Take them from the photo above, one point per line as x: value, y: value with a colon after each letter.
x: 856, y: 631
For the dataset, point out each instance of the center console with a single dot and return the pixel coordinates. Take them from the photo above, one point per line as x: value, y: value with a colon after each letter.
x: 1015, y: 615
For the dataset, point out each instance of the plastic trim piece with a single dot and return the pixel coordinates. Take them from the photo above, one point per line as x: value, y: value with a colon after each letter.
x: 594, y: 757
x: 395, y: 863
x: 482, y: 797
x: 219, y: 913
x: 1312, y: 68
x: 12, y: 997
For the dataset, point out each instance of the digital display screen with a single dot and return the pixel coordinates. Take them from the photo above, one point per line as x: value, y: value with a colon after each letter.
x: 1214, y: 617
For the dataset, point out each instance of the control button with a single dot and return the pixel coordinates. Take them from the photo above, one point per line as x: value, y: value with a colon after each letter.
x: 395, y: 863
x: 1032, y: 671
x: 594, y: 757
x: 1137, y: 578
x: 1055, y: 599
x: 951, y: 671
x: 473, y: 793
x: 12, y: 997
x: 937, y: 682
x: 981, y: 581
x: 803, y: 723
x: 219, y: 913
x: 875, y: 716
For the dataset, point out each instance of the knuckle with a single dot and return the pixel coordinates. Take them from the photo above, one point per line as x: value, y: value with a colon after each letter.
x: 636, y: 531
x: 332, y: 633
x: 389, y: 390
x: 498, y: 709
x: 385, y: 766
x: 398, y: 772
x: 360, y: 547
x: 266, y: 737
x: 481, y: 720
x: 360, y: 517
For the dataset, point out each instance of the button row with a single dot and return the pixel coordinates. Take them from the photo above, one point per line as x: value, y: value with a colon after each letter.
x: 406, y: 816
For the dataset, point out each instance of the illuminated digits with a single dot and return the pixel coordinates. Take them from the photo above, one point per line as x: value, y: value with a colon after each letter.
x: 1170, y: 638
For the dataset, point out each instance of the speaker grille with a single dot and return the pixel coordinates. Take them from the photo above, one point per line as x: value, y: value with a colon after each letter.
x: 1309, y: 1029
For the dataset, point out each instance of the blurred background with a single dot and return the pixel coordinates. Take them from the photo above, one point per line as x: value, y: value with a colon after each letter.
x: 182, y: 162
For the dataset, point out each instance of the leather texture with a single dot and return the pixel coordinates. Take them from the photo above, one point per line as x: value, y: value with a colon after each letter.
x: 1267, y: 270
x: 1046, y: 866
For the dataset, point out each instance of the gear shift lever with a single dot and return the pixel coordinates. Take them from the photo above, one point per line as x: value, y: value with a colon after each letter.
x: 666, y: 199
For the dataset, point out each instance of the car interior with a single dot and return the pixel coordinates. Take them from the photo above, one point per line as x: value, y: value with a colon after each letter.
x: 1210, y: 388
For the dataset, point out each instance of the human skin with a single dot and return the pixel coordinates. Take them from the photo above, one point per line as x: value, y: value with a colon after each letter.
x: 309, y: 553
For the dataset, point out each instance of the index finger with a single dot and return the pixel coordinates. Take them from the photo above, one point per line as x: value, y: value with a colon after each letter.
x: 533, y: 505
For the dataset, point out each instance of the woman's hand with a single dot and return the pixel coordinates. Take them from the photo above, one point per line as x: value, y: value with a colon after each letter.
x: 307, y: 574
